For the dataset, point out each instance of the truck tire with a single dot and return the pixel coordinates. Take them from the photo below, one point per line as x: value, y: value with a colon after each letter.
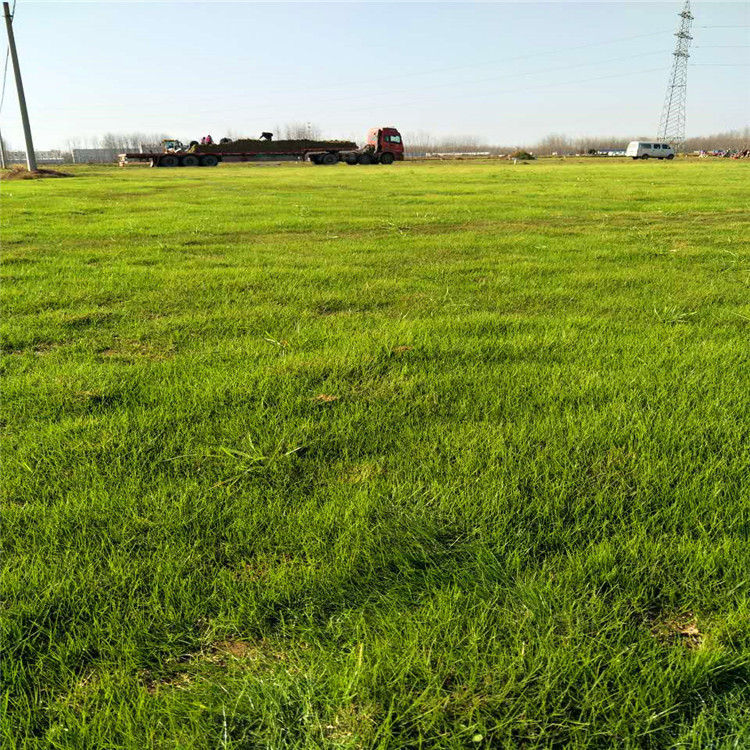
x: 364, y: 159
x: 315, y: 159
x: 169, y: 161
x: 387, y: 158
x: 351, y: 159
x: 670, y: 157
x: 329, y: 159
x: 644, y: 157
x: 209, y: 160
x: 190, y: 161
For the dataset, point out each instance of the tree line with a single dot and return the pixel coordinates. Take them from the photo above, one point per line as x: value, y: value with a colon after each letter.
x: 117, y: 141
x: 563, y: 145
x: 421, y: 142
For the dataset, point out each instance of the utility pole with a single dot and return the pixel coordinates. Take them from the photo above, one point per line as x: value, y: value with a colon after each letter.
x: 30, y: 155
x: 672, y: 124
x: 2, y: 152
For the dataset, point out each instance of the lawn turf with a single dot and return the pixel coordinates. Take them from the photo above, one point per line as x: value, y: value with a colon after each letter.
x: 424, y: 456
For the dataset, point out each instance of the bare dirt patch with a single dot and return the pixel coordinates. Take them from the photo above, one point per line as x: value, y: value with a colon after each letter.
x: 179, y: 681
x: 18, y: 172
x: 38, y: 350
x: 326, y: 398
x: 361, y: 472
x: 352, y: 723
x: 185, y: 669
x: 136, y: 350
x: 262, y: 653
x: 80, y: 691
x: 678, y: 629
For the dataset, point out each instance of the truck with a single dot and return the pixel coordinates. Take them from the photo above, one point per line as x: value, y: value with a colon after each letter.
x: 384, y: 145
x: 642, y: 150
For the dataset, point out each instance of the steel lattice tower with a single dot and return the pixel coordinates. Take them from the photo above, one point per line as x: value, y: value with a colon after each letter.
x: 672, y: 123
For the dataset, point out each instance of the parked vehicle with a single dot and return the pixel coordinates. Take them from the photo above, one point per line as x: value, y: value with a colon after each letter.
x: 643, y: 150
x: 384, y: 146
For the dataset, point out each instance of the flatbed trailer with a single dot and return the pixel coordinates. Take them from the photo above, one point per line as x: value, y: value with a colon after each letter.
x: 384, y: 146
x: 199, y: 159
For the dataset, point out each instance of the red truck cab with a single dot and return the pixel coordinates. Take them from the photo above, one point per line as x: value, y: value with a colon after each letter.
x: 386, y: 142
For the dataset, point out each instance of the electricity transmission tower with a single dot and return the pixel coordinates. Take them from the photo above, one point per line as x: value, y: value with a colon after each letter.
x: 672, y: 123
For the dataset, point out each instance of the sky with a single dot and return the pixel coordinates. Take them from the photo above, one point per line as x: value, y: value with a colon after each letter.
x: 505, y: 72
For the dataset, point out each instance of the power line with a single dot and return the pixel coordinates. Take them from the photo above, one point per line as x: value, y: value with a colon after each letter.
x: 553, y: 85
x: 513, y: 91
x: 534, y: 54
x: 5, y: 77
x: 260, y: 111
x: 7, y: 56
x: 495, y: 92
x: 369, y: 96
x: 287, y: 92
x: 511, y: 75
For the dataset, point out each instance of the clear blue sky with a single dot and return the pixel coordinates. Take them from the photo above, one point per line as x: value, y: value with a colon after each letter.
x: 445, y: 68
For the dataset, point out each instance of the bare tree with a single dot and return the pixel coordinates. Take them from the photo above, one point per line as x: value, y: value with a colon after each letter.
x: 554, y: 143
x: 129, y: 141
x: 298, y: 131
x: 110, y: 140
x: 732, y: 139
x: 421, y: 143
x: 562, y: 144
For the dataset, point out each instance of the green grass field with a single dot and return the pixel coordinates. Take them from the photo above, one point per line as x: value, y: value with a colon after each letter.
x: 432, y: 456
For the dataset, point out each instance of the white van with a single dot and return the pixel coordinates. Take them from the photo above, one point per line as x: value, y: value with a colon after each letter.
x: 642, y: 150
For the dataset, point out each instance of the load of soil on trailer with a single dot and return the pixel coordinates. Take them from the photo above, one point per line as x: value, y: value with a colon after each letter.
x: 247, y: 145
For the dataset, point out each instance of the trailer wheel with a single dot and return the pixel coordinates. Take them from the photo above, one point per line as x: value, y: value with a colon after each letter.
x: 190, y: 161
x: 315, y: 159
x: 350, y: 158
x: 364, y: 159
x: 209, y: 160
x: 387, y: 158
x: 329, y: 159
x: 169, y: 161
